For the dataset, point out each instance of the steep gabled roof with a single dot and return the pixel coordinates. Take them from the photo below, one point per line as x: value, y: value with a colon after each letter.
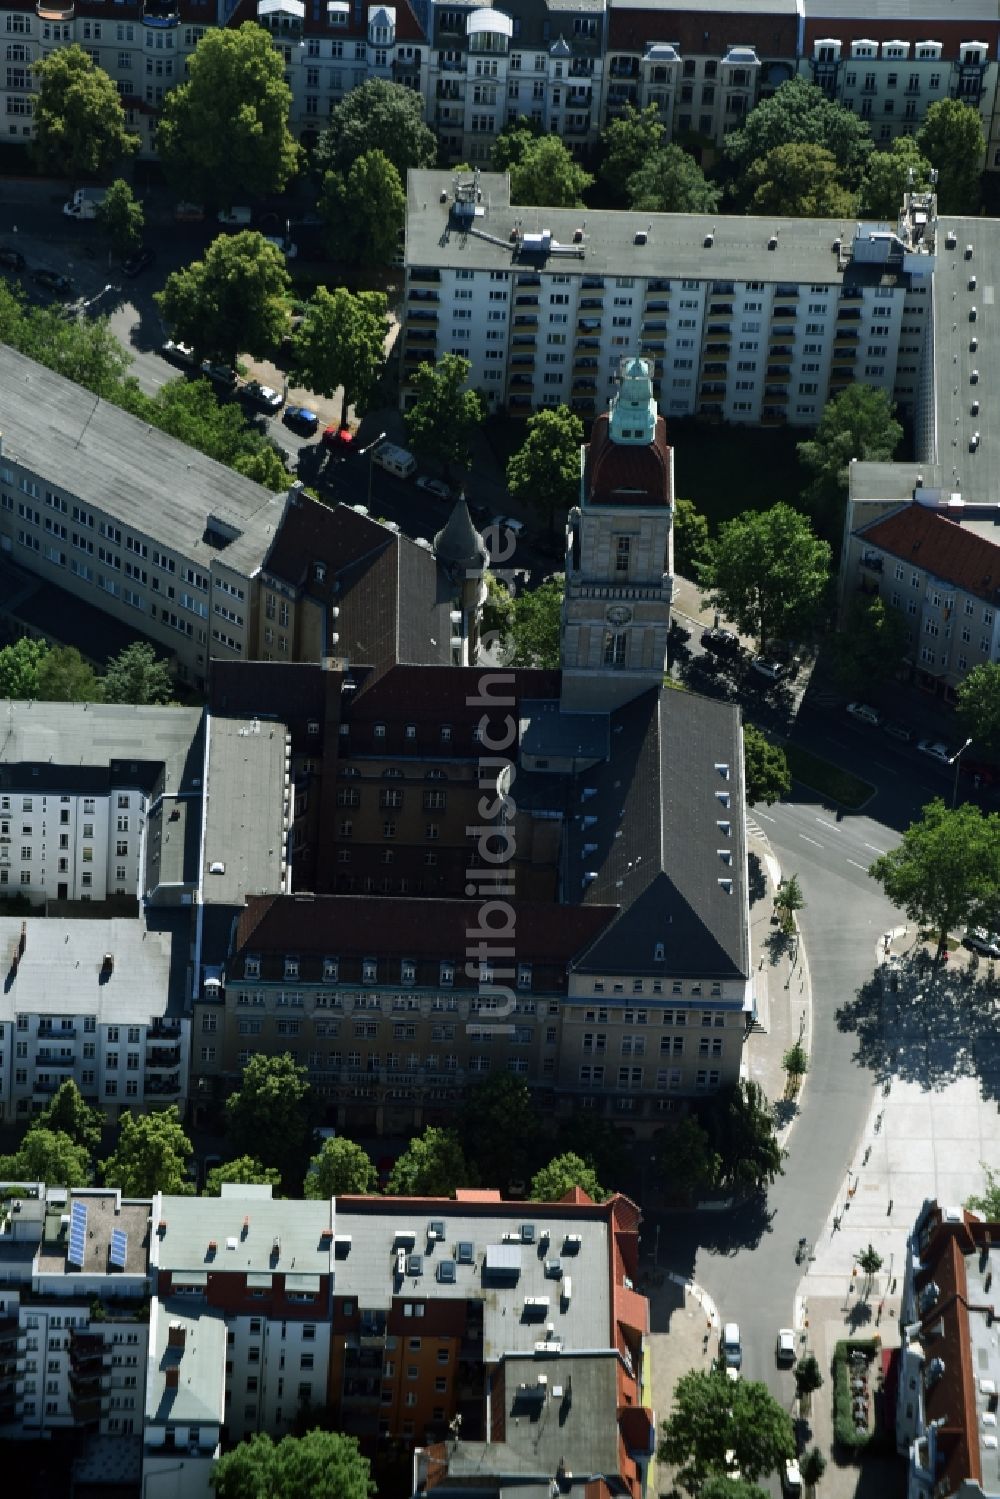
x: 943, y: 547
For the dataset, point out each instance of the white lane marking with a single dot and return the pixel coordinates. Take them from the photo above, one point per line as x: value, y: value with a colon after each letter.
x: 857, y: 865
x: 813, y: 841
x: 892, y: 769
x: 824, y: 824
x: 765, y: 816
x: 874, y: 849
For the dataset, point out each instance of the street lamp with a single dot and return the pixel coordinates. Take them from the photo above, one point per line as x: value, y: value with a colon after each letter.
x: 955, y: 760
x: 370, y: 450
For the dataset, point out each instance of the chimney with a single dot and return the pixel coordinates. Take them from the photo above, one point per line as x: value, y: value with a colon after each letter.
x: 172, y: 1377
x: 24, y: 939
x: 246, y: 1227
x: 176, y: 1335
x: 108, y: 965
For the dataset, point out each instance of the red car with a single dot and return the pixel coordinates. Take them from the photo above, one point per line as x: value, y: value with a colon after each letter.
x: 338, y: 439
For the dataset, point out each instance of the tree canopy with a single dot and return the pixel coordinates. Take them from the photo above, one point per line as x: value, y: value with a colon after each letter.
x: 946, y: 871
x: 150, y: 1156
x: 987, y: 1202
x: 319, y: 1465
x: 512, y: 143
x: 47, y: 1155
x: 19, y: 667
x: 341, y: 343
x: 230, y: 302
x: 535, y: 628
x: 799, y: 180
x: 498, y: 616
x: 627, y: 143
x: 800, y: 113
x: 191, y: 411
x: 869, y: 649
x: 716, y: 1425
x: 545, y: 470
x: 686, y: 1159
x: 765, y: 767
x: 548, y: 175
x: 443, y: 415
x: 377, y: 116
x: 121, y: 217
x: 137, y: 675
x: 979, y: 704
x: 433, y: 1165
x: 951, y: 138
x: 223, y: 133
x: 68, y: 1112
x: 79, y: 122
x: 859, y: 423
x: 270, y: 1115
x: 364, y: 210
x: 48, y: 673
x: 340, y: 1167
x: 886, y: 178
x: 245, y: 1170
x: 740, y: 1125
x: 497, y: 1124
x: 670, y: 181
x: 561, y: 1175
x: 768, y: 573
x: 691, y: 540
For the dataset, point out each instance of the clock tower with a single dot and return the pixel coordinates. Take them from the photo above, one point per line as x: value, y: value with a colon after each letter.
x: 619, y: 565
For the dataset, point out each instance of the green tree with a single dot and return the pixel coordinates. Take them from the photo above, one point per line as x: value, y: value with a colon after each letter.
x: 433, y: 1165
x: 869, y: 649
x: 137, y: 675
x: 597, y: 1141
x: 812, y: 1467
x: 246, y: 1170
x: 765, y: 768
x: 364, y: 211
x: 190, y: 410
x: 887, y: 177
x: 151, y: 1155
x: 341, y: 343
x: 946, y: 870
x: 800, y: 113
x: 796, y: 1061
x: 724, y: 1486
x: 858, y: 423
x: 951, y: 138
x: 799, y: 180
x: 497, y: 1126
x: 79, y: 122
x: 270, y: 1116
x: 627, y: 144
x: 768, y: 573
x: 548, y: 175
x: 545, y: 470
x: 870, y: 1261
x: 121, y: 217
x: 340, y: 1167
x: 223, y: 133
x: 671, y: 181
x: 233, y: 301
x: 692, y: 547
x: 561, y: 1175
x: 319, y: 1465
x: 534, y: 636
x: 987, y: 1202
x: 65, y: 677
x: 686, y: 1160
x: 808, y: 1377
x: 513, y: 141
x: 377, y: 116
x: 740, y: 1124
x: 20, y: 664
x: 47, y: 1155
x: 979, y: 704
x: 443, y: 415
x: 68, y: 1113
x: 716, y: 1426
x: 498, y: 615
x: 83, y: 350
x: 788, y: 900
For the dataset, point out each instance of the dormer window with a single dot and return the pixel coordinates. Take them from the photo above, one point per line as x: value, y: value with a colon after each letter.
x: 319, y: 572
x: 723, y: 797
x: 524, y: 975
x: 291, y: 968
x: 447, y: 975
x: 369, y: 971
x: 723, y: 769
x: 331, y: 968
x: 407, y: 971
x: 725, y: 828
x: 251, y: 967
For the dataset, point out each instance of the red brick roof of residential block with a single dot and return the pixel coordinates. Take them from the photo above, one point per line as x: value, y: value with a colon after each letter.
x: 944, y: 547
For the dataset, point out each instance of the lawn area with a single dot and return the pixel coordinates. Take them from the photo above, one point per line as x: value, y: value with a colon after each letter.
x: 829, y: 780
x: 726, y: 470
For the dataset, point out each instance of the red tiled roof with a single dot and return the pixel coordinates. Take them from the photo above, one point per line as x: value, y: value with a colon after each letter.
x: 943, y: 547
x: 623, y: 474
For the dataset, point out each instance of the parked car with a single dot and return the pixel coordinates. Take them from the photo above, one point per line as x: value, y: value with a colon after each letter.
x: 263, y: 396
x: 791, y: 1478
x: 338, y: 440
x: 721, y: 642
x: 897, y: 730
x: 435, y: 487
x: 731, y: 1347
x: 785, y: 1348
x: 772, y: 670
x: 52, y: 281
x: 219, y: 374
x: 935, y: 749
x: 138, y: 261
x: 301, y: 419
x: 12, y: 260
x: 177, y: 353
x: 978, y: 939
x: 865, y: 713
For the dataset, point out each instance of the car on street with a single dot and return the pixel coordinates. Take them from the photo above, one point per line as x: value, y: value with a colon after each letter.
x: 12, y: 260
x: 52, y: 281
x: 773, y: 671
x: 978, y: 939
x: 935, y: 749
x: 301, y: 419
x: 139, y: 260
x: 219, y: 374
x: 721, y: 642
x: 897, y: 730
x: 865, y: 713
x: 435, y: 487
x: 731, y: 1347
x: 732, y: 1374
x: 785, y: 1348
x: 791, y: 1478
x: 265, y: 397
x: 177, y: 353
x: 338, y: 440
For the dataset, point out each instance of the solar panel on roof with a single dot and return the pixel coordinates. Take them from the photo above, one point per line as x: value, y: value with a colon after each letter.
x: 119, y: 1247
x: 77, y: 1234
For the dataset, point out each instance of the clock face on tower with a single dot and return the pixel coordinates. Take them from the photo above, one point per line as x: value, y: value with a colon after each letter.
x: 619, y: 614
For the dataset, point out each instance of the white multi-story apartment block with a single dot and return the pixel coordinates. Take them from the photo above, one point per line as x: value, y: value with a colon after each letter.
x: 746, y: 319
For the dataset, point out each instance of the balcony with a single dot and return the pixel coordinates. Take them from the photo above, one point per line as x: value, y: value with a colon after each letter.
x: 425, y: 274
x: 162, y: 1030
x: 654, y: 345
x: 591, y: 304
x: 624, y: 67
x: 720, y: 309
x: 578, y: 98
x: 49, y: 1033
x: 518, y: 404
x: 582, y: 405
x: 168, y: 1087
x: 526, y: 299
x: 713, y: 388
x: 786, y: 292
x: 44, y: 1061
x: 658, y: 304
x: 448, y: 90
x: 523, y: 361
x: 521, y: 382
x: 428, y: 315
x: 422, y: 336
x: 584, y: 364
x: 778, y: 372
x: 718, y: 349
x: 45, y: 1087
x: 775, y: 393
x: 527, y: 279
x: 716, y: 368
x: 163, y: 1057
x: 785, y: 312
x: 846, y: 338
x: 525, y: 319
x: 581, y: 67
x: 163, y: 13
x: 523, y: 341
x: 584, y: 385
x: 422, y: 294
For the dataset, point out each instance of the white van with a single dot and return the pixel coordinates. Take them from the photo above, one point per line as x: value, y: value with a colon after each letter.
x: 395, y: 460
x: 234, y: 218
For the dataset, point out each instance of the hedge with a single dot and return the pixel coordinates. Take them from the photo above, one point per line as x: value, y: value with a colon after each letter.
x: 846, y: 1435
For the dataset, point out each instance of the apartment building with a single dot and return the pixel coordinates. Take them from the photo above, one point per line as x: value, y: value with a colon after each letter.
x: 947, y: 1365
x: 171, y: 554
x: 746, y: 320
x: 74, y: 1298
